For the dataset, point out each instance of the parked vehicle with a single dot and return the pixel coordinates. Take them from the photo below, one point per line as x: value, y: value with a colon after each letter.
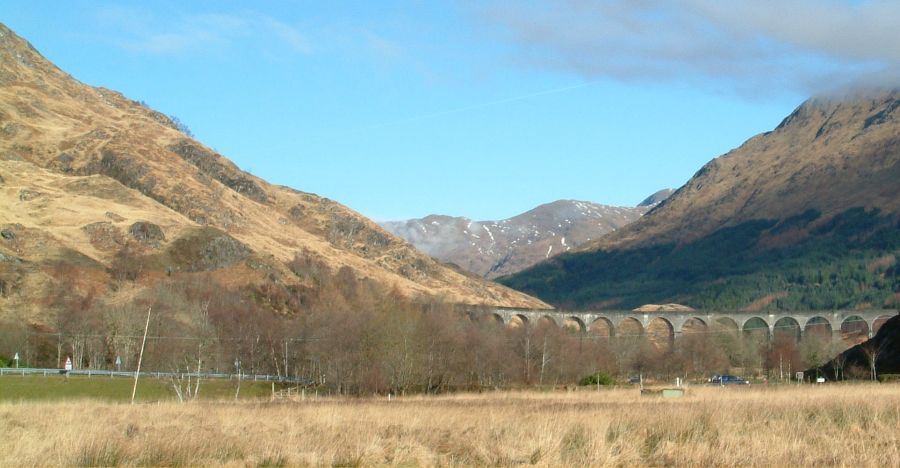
x: 728, y: 380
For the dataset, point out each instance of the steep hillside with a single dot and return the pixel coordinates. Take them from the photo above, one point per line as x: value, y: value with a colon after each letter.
x: 882, y: 350
x: 495, y: 248
x: 88, y: 176
x: 803, y: 216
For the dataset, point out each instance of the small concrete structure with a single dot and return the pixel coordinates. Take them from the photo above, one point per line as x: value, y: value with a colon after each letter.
x: 669, y: 392
x: 673, y: 392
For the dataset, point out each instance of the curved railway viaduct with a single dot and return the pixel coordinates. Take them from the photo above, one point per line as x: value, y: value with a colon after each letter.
x: 861, y: 323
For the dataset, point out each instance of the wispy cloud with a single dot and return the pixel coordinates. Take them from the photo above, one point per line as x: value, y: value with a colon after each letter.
x: 752, y: 46
x: 290, y: 35
x: 141, y: 31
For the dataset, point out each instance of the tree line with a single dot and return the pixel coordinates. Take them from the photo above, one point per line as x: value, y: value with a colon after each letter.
x: 352, y: 336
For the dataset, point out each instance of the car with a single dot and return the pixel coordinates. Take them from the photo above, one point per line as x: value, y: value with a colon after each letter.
x: 728, y: 380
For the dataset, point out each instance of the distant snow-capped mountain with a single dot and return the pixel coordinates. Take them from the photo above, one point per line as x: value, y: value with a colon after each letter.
x: 496, y: 248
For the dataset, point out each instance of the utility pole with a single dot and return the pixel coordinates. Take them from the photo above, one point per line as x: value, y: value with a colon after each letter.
x: 780, y: 368
x: 543, y: 360
x: 141, y: 355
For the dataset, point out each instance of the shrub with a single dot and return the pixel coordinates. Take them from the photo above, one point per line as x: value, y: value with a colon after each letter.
x: 598, y: 378
x: 889, y: 378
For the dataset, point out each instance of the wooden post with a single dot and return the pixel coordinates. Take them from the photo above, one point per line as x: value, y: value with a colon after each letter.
x: 141, y: 355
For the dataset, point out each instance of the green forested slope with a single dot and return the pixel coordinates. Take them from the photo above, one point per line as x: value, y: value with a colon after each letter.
x: 802, y: 262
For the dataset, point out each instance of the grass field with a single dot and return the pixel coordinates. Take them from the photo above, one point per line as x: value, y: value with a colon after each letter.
x: 829, y: 425
x: 118, y: 389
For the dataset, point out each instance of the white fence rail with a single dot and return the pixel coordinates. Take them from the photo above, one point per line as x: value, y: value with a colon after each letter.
x: 158, y: 375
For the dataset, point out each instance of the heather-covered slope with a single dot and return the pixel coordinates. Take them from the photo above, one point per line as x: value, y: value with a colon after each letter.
x: 804, y: 216
x: 86, y: 173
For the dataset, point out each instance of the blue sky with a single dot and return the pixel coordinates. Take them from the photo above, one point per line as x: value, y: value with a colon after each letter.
x: 484, y: 109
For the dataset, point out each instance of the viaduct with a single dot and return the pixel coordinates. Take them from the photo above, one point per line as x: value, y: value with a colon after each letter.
x: 858, y: 323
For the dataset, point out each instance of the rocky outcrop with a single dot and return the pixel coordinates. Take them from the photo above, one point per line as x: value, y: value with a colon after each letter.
x: 146, y: 233
x: 218, y: 168
x: 104, y: 236
x: 206, y: 249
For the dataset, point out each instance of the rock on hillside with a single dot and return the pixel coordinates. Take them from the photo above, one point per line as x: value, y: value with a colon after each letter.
x: 807, y: 215
x: 495, y: 248
x: 73, y: 156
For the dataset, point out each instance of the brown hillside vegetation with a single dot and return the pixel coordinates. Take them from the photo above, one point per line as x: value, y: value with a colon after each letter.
x: 833, y: 425
x: 88, y: 176
x: 831, y: 154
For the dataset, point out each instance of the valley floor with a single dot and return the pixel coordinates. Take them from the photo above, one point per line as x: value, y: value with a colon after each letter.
x: 827, y: 425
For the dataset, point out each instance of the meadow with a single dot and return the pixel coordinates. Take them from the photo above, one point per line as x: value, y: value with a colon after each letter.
x: 150, y: 390
x: 825, y: 425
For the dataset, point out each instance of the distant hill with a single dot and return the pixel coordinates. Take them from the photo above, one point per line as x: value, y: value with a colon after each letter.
x: 495, y: 248
x: 657, y: 198
x: 883, y: 349
x: 804, y: 216
x: 91, y: 180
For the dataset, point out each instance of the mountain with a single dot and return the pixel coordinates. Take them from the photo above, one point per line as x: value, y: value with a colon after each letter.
x: 882, y: 351
x: 495, y: 248
x: 657, y: 198
x: 92, y: 182
x: 804, y: 216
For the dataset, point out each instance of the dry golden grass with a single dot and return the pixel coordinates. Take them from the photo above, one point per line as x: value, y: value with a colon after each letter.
x: 835, y: 425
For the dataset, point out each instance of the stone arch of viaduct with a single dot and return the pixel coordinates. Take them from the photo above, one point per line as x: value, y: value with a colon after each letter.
x: 619, y: 323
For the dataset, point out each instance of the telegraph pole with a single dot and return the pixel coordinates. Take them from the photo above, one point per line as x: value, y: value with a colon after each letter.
x: 141, y: 355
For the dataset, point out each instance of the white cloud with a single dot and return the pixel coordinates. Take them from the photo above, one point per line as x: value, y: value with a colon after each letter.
x: 291, y: 36
x: 141, y: 31
x: 753, y: 46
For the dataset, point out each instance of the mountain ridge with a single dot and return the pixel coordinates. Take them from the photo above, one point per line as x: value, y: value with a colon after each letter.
x: 499, y: 247
x: 808, y: 214
x: 66, y: 140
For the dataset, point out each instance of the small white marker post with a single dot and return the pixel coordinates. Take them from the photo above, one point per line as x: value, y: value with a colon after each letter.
x: 17, y: 359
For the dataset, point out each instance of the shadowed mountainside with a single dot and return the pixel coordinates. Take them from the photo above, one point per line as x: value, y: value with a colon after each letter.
x: 883, y: 348
x: 804, y: 216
